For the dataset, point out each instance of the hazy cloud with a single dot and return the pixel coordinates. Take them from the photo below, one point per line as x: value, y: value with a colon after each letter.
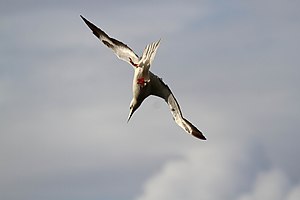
x: 221, y: 171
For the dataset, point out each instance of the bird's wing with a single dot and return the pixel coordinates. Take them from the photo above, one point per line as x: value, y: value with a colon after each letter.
x: 180, y: 120
x: 160, y: 89
x: 120, y: 49
x: 148, y: 55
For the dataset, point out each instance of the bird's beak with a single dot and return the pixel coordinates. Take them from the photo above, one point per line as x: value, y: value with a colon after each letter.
x: 130, y: 114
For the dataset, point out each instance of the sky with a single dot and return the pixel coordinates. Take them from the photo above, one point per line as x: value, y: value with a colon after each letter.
x: 64, y: 100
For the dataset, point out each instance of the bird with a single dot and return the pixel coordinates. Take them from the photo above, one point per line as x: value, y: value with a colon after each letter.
x: 145, y: 83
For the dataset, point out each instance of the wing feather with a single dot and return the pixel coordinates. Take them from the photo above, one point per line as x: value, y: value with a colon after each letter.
x: 160, y: 89
x: 122, y: 51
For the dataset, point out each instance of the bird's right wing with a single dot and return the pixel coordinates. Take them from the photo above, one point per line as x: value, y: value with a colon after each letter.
x: 122, y: 51
x: 159, y: 88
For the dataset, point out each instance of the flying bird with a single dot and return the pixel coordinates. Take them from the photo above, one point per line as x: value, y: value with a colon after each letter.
x: 145, y: 83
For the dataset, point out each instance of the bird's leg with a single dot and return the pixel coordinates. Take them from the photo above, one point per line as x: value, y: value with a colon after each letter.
x: 131, y: 62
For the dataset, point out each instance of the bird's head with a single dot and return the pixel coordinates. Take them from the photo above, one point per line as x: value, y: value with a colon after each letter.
x: 133, y: 106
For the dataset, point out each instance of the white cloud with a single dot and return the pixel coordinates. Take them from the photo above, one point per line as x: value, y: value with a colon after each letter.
x: 294, y: 193
x: 226, y: 170
x: 272, y: 184
x: 269, y: 185
x: 214, y: 171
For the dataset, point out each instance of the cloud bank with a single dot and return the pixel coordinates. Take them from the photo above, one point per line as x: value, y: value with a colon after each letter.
x: 223, y: 170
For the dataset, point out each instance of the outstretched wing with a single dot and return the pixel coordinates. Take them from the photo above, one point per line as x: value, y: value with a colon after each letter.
x: 120, y: 49
x: 180, y: 120
x: 160, y: 89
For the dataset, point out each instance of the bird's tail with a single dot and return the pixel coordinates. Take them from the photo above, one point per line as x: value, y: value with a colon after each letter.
x: 149, y: 53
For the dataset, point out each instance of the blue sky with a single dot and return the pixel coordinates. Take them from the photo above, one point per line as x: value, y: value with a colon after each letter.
x: 64, y: 100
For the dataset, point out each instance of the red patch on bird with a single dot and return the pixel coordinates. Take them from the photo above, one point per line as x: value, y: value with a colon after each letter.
x: 141, y: 81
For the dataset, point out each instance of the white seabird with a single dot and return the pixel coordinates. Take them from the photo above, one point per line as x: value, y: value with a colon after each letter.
x: 145, y: 83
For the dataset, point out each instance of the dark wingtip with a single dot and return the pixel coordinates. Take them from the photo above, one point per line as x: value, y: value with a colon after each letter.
x: 82, y: 18
x: 195, y: 132
x: 94, y: 28
x: 198, y: 135
x: 85, y: 20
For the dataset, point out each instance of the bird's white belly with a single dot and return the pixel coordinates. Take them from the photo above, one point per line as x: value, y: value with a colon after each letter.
x: 138, y: 73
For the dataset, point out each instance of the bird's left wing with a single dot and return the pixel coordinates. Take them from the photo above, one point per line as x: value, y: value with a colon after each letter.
x: 120, y: 49
x: 180, y: 120
x: 160, y: 89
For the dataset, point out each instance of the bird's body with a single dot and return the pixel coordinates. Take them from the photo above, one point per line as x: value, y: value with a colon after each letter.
x: 145, y: 83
